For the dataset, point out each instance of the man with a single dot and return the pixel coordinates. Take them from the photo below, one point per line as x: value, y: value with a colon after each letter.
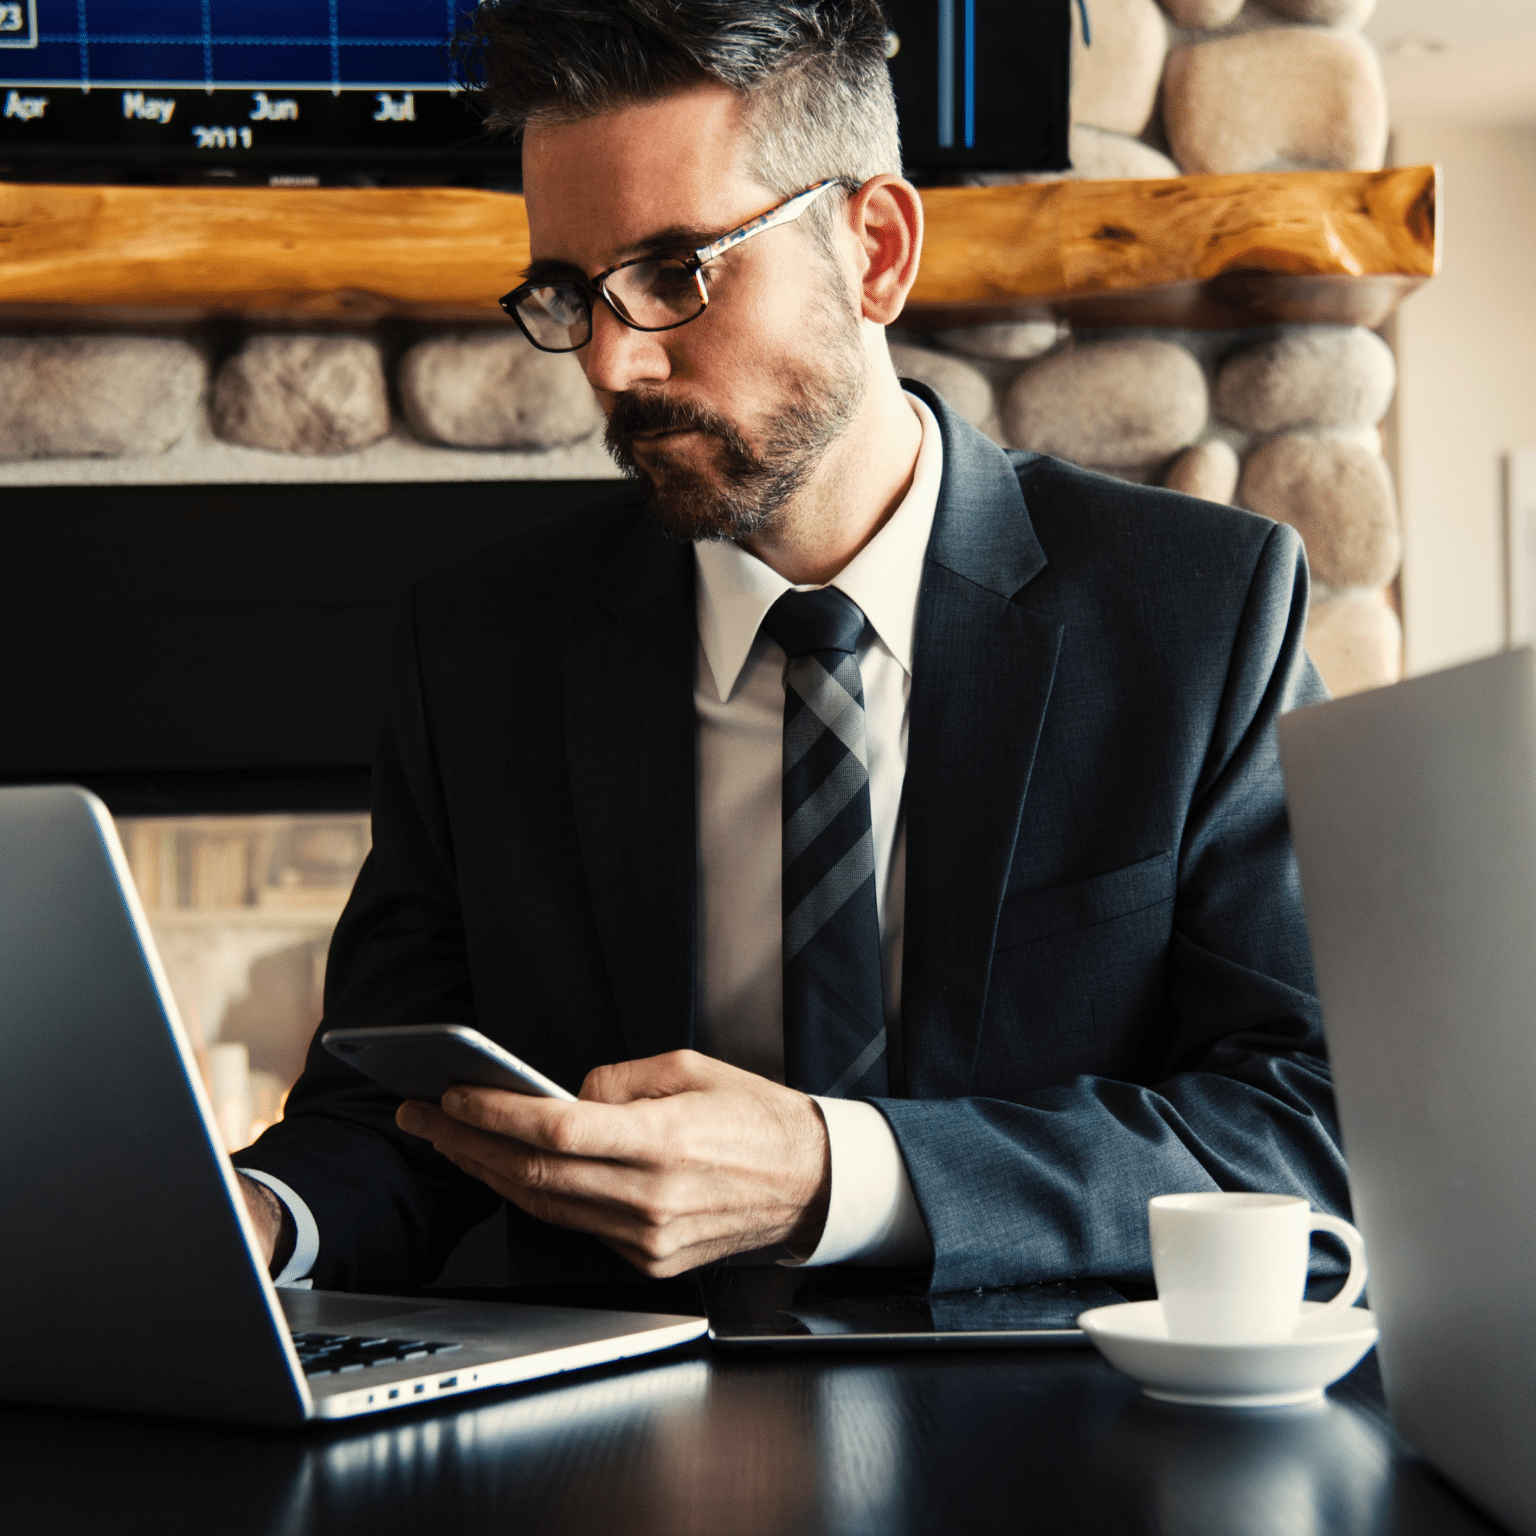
x: 884, y: 831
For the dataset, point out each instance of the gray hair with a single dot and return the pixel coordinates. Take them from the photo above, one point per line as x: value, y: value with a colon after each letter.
x: 813, y: 76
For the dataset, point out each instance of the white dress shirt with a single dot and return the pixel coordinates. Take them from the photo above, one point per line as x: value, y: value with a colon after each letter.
x: 873, y: 1217
x: 739, y: 698
x: 306, y: 1235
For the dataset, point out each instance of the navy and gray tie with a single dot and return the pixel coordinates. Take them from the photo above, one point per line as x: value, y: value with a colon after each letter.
x: 834, y: 998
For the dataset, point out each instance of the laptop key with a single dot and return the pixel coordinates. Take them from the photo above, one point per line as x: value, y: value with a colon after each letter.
x: 325, y: 1354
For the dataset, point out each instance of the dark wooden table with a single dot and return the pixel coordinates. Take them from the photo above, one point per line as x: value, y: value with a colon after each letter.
x: 1043, y: 1442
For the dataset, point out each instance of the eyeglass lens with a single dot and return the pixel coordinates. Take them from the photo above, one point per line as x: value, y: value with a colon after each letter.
x: 556, y: 317
x: 651, y: 295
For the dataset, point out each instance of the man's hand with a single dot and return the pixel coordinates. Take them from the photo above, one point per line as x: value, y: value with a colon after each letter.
x: 266, y: 1215
x: 673, y: 1161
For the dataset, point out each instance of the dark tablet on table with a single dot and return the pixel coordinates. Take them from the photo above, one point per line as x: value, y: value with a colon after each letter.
x: 773, y: 1307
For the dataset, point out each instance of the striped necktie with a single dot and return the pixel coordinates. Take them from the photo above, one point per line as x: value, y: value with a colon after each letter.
x: 834, y: 1006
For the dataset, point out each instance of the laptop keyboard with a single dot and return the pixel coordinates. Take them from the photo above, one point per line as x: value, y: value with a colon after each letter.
x: 325, y: 1354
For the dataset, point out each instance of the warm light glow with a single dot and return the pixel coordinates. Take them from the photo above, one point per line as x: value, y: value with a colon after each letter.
x: 242, y: 909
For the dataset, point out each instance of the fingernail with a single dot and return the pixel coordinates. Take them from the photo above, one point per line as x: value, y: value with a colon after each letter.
x: 409, y: 1117
x: 455, y: 1101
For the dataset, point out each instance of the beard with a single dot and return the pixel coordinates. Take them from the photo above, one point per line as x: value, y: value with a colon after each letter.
x: 742, y: 489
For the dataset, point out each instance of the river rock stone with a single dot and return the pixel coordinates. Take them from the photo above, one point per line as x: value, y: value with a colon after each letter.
x: 1357, y: 642
x: 1368, y: 438
x: 1336, y: 496
x: 1114, y: 82
x: 964, y: 387
x: 1336, y: 376
x: 1283, y: 97
x: 1347, y: 15
x: 1005, y: 343
x: 309, y: 395
x: 67, y: 397
x: 1208, y: 470
x: 1098, y: 155
x: 1127, y: 403
x: 493, y: 389
x: 1201, y: 15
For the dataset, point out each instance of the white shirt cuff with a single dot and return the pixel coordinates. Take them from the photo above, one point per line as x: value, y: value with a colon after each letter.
x: 306, y: 1242
x: 872, y: 1216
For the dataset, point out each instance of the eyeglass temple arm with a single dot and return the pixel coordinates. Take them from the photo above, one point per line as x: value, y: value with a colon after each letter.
x: 783, y: 214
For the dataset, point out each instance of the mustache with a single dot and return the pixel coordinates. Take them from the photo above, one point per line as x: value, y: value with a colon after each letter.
x: 635, y: 414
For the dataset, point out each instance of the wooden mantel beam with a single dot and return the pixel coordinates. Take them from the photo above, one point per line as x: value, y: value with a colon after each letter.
x: 1191, y: 250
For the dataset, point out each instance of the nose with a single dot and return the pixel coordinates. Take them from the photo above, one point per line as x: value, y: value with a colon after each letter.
x: 618, y: 357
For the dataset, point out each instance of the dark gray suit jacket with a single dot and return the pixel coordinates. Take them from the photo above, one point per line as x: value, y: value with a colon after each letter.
x: 1107, y: 990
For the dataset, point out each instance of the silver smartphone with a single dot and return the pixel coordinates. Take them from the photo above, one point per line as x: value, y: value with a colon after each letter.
x: 423, y: 1061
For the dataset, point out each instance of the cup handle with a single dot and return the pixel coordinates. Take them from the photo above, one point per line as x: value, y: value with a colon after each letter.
x: 1355, y: 1281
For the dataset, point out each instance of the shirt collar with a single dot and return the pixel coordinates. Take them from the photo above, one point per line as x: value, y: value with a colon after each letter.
x: 736, y: 589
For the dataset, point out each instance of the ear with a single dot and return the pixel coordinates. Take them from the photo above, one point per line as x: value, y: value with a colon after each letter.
x: 886, y: 218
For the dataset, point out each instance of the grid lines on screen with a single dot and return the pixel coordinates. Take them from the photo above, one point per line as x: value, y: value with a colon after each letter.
x: 215, y: 44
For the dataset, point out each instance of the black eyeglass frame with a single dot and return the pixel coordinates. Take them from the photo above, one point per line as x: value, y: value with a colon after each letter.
x: 594, y: 288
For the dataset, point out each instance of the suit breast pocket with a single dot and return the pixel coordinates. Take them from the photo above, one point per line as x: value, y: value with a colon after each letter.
x: 1034, y: 915
x: 1077, y: 979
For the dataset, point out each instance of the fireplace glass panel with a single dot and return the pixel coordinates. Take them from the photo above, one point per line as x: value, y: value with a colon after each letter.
x: 242, y: 909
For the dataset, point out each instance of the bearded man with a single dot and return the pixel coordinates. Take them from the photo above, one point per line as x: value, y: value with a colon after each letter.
x: 884, y: 831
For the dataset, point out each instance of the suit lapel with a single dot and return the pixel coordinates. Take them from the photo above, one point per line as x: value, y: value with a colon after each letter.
x: 983, y: 662
x: 984, y: 659
x: 628, y: 678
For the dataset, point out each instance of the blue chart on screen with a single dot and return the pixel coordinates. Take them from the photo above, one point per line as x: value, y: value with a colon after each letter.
x: 334, y: 44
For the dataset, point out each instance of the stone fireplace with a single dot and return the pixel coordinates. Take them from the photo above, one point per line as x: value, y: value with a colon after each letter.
x: 1285, y: 411
x: 1284, y: 420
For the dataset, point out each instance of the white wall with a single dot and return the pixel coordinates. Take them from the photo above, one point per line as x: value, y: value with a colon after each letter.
x: 1467, y: 392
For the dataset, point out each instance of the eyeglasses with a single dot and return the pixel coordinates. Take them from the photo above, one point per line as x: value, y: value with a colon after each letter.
x: 650, y: 293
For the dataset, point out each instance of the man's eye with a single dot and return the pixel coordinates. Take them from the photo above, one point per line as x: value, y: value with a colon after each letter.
x: 563, y: 303
x: 670, y: 278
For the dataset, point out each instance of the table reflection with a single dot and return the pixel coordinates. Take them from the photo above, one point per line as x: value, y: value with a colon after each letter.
x: 514, y: 1464
x: 677, y: 1445
x: 1326, y: 1467
x: 880, y: 1445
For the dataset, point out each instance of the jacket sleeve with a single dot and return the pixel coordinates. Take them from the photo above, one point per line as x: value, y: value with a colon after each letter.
x: 1056, y: 1181
x: 389, y: 1209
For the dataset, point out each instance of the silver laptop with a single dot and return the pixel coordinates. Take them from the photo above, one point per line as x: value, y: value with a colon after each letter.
x: 130, y: 1278
x: 1414, y: 812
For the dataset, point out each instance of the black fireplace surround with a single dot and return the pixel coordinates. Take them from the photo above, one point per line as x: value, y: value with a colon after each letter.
x: 209, y: 649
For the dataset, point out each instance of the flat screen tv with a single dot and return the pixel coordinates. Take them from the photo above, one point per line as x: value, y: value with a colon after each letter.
x: 365, y: 91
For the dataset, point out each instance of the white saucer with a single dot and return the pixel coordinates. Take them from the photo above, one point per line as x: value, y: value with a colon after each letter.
x: 1134, y: 1338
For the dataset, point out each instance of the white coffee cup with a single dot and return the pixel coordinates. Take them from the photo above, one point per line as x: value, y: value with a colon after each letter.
x: 1231, y: 1268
